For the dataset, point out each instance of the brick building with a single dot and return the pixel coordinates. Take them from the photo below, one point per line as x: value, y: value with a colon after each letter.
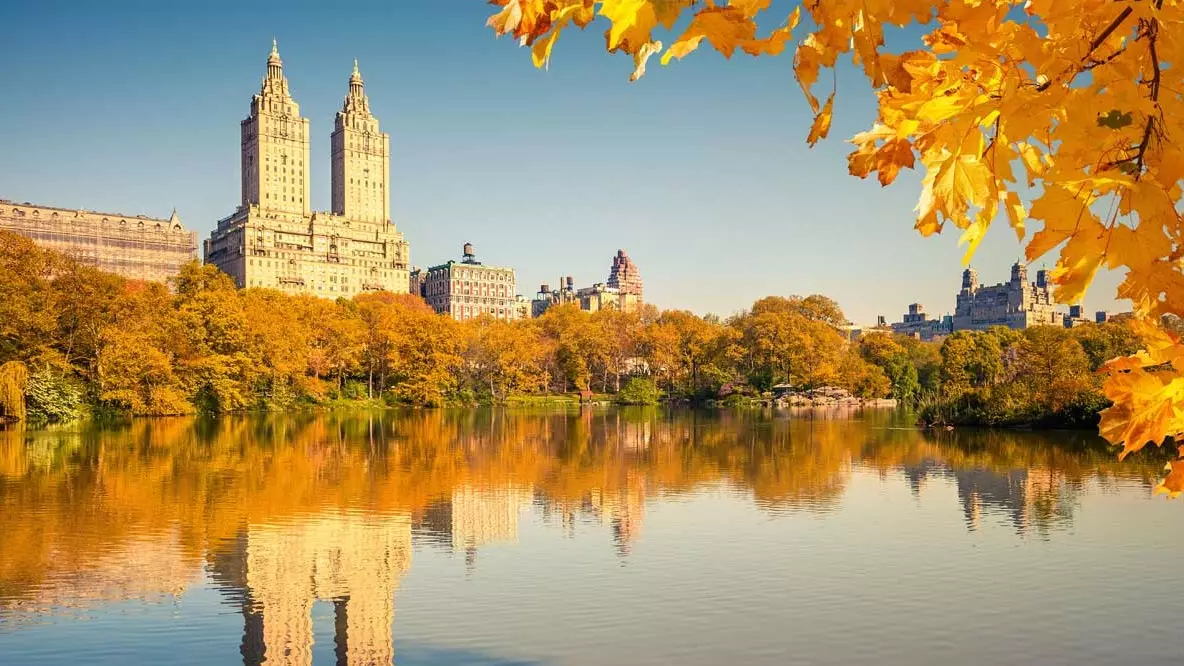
x: 468, y: 288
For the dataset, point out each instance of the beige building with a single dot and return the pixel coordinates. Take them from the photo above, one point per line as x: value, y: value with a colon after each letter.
x: 603, y: 297
x: 468, y: 288
x: 134, y: 246
x: 623, y: 291
x: 274, y: 239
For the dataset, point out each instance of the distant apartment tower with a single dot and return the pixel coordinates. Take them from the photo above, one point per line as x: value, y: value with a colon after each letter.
x: 622, y: 291
x: 624, y: 276
x: 274, y: 239
x: 134, y: 246
x: 469, y: 289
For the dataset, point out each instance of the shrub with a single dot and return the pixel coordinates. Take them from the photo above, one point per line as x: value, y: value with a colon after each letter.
x: 52, y: 398
x: 639, y: 391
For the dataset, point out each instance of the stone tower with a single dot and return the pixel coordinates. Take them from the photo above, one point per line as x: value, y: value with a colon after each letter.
x: 624, y: 276
x: 1019, y: 272
x: 275, y: 146
x: 361, y: 159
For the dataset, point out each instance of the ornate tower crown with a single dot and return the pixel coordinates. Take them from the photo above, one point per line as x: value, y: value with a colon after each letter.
x: 275, y: 84
x: 355, y: 100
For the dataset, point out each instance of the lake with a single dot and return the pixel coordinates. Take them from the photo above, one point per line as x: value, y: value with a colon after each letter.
x: 640, y: 536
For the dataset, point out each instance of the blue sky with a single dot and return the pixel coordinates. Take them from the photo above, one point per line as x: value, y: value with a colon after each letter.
x: 700, y: 170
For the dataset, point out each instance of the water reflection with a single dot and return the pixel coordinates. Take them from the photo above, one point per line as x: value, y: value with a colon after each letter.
x: 281, y: 512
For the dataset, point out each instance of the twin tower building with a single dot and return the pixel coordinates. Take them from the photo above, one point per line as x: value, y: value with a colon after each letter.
x: 274, y: 239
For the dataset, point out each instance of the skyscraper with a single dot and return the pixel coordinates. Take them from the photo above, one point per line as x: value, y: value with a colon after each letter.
x: 274, y: 239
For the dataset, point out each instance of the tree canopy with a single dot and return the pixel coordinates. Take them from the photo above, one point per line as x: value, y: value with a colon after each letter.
x: 1074, y: 106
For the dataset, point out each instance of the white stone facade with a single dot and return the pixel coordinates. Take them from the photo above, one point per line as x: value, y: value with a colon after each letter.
x: 274, y: 240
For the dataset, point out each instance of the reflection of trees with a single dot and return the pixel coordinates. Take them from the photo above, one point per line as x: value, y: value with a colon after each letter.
x: 71, y: 499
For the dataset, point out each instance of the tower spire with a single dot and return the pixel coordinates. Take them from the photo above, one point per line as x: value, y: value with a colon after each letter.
x: 275, y: 66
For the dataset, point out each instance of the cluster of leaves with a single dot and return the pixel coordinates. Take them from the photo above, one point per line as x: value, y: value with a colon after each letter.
x: 140, y: 348
x: 1084, y: 96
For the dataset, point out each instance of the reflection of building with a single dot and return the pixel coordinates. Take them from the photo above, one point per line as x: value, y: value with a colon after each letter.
x: 623, y: 510
x: 469, y: 289
x: 1028, y: 497
x: 474, y: 517
x: 1014, y: 304
x: 274, y: 239
x: 134, y: 246
x: 278, y: 571
x: 149, y: 569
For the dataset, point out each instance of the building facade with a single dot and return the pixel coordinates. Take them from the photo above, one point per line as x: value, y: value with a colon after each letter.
x: 134, y: 246
x: 622, y: 291
x: 1014, y: 304
x: 603, y: 297
x: 918, y: 325
x: 546, y: 297
x: 274, y: 239
x: 469, y: 289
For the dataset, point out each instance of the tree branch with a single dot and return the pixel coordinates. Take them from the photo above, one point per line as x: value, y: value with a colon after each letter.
x: 1097, y: 41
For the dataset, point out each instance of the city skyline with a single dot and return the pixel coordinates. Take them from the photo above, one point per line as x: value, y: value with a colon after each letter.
x: 475, y: 132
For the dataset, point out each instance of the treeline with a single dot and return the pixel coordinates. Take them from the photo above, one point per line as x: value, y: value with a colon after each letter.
x: 90, y: 339
x: 1042, y: 376
x: 73, y: 339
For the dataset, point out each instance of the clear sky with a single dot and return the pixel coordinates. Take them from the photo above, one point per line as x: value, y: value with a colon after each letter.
x: 700, y: 171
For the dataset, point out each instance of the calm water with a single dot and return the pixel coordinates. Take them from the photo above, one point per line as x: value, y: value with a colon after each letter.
x: 643, y: 537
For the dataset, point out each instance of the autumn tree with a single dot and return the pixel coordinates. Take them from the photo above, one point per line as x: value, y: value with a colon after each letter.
x: 892, y: 358
x: 1051, y: 365
x: 791, y: 340
x: 1063, y: 117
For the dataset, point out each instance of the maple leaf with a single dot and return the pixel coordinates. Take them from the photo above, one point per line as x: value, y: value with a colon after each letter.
x: 961, y: 182
x: 821, y: 126
x: 894, y: 154
x: 1173, y: 483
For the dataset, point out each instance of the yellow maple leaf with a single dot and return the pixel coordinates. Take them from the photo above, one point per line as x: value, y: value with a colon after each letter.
x: 961, y: 182
x: 894, y: 154
x: 821, y: 126
x: 1016, y: 214
x: 1173, y: 483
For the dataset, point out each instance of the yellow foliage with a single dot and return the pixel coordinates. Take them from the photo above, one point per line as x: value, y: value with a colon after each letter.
x: 14, y: 376
x: 1083, y: 93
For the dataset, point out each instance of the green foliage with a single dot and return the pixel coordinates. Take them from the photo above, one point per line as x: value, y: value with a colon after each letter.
x: 1042, y: 376
x: 639, y: 391
x: 53, y: 398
